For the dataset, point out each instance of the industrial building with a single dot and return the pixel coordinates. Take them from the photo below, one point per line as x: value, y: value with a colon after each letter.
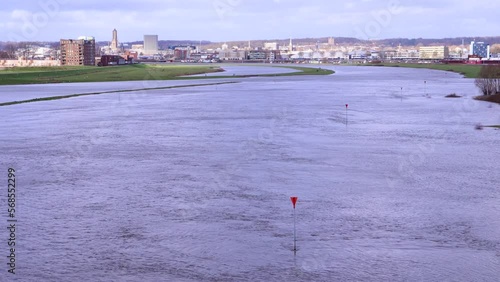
x: 232, y: 55
x: 434, y: 52
x: 263, y: 55
x: 78, y: 52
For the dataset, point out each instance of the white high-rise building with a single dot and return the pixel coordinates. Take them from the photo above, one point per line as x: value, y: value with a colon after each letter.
x: 480, y: 49
x: 434, y: 52
x: 150, y: 44
x: 271, y: 45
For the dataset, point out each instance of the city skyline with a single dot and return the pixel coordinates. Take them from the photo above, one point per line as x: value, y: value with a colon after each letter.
x: 232, y: 20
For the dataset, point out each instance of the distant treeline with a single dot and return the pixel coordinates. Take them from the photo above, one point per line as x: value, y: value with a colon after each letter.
x: 165, y: 44
x: 443, y: 41
x: 386, y: 42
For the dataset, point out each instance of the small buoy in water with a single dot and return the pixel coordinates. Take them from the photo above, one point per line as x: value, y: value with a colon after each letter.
x: 479, y: 126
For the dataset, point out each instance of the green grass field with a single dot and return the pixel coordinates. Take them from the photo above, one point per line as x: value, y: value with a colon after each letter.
x: 469, y: 71
x: 299, y: 71
x: 98, y: 74
x: 40, y: 75
x: 305, y: 71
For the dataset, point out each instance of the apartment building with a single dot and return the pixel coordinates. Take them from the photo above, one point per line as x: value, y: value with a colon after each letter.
x: 78, y: 52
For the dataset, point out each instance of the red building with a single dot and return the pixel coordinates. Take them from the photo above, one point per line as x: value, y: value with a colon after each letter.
x: 78, y: 52
x: 112, y: 60
x: 181, y: 54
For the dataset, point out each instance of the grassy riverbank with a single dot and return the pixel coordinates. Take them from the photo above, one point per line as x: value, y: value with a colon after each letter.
x: 40, y: 75
x: 469, y: 71
x: 299, y: 71
x: 489, y: 98
x: 305, y: 71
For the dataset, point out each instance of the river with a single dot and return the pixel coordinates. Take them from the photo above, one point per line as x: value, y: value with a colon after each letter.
x: 194, y: 184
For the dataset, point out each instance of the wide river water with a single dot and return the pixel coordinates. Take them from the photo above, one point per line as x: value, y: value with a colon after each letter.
x: 193, y: 184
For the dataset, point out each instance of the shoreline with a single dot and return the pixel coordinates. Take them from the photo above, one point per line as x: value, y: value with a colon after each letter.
x: 468, y: 71
x: 489, y: 98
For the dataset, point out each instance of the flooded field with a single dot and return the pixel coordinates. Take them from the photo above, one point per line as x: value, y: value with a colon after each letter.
x: 193, y: 184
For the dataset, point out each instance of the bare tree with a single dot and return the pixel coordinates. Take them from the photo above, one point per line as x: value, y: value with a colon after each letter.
x: 10, y: 49
x: 489, y: 80
x: 26, y: 50
x: 495, y: 49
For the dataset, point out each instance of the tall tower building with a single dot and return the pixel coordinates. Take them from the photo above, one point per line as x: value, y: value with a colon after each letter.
x: 150, y: 44
x: 114, y: 41
x: 331, y: 41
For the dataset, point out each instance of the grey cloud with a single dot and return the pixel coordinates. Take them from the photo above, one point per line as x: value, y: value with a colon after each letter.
x: 221, y: 20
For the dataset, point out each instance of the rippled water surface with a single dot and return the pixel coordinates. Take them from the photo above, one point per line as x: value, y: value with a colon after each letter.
x: 193, y: 184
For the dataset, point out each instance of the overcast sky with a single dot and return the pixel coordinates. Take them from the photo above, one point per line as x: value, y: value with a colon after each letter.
x: 226, y: 20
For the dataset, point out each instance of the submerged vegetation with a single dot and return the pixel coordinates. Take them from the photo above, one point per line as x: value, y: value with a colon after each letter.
x: 106, y: 92
x: 489, y: 98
